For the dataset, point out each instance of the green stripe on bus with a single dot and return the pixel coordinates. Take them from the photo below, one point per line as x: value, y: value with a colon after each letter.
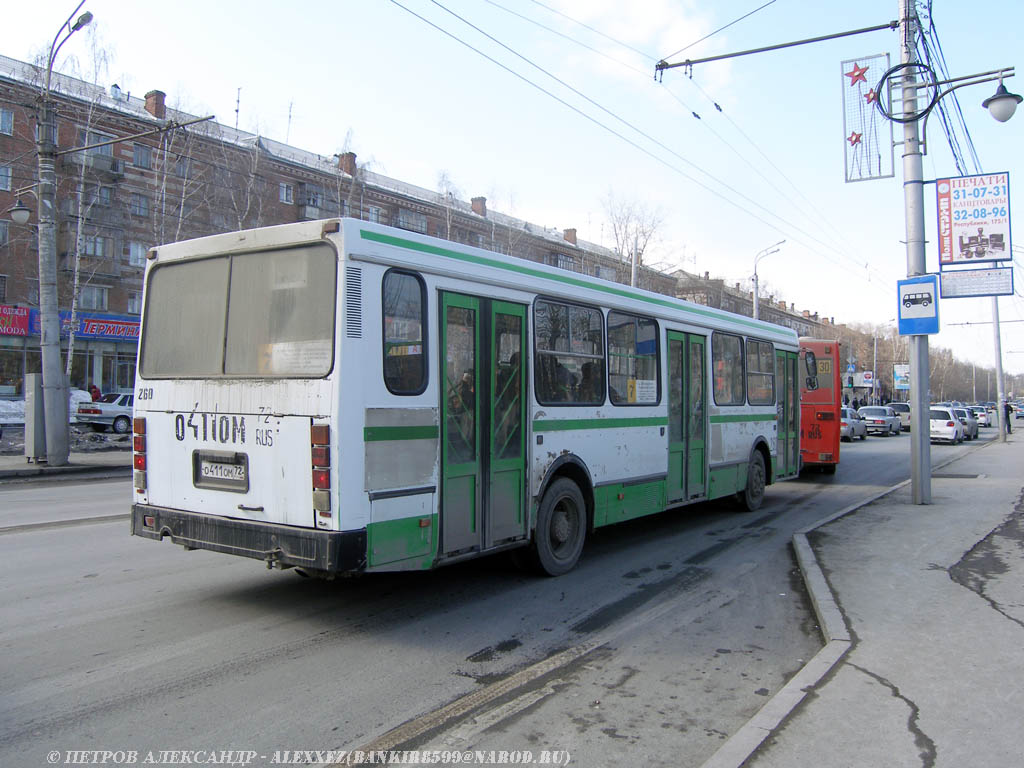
x: 567, y: 279
x: 562, y: 425
x: 740, y: 417
x: 377, y: 434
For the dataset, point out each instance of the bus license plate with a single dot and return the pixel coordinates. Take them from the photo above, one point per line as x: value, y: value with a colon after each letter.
x: 220, y: 471
x: 214, y: 470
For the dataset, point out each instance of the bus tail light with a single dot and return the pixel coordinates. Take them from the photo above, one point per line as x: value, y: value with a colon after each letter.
x: 139, y: 457
x: 320, y: 452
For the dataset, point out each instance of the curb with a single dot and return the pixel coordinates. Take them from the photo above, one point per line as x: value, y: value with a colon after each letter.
x: 742, y: 745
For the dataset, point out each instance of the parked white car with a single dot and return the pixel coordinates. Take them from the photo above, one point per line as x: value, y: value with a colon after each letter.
x: 981, y: 414
x: 881, y: 419
x: 112, y: 410
x: 966, y: 416
x: 903, y: 411
x: 944, y: 425
x: 851, y: 425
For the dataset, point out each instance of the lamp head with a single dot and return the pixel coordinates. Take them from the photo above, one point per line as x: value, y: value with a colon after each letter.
x: 1002, y: 104
x: 19, y: 213
x: 83, y: 20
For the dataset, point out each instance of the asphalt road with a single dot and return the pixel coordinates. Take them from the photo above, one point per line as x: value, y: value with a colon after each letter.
x: 667, y: 637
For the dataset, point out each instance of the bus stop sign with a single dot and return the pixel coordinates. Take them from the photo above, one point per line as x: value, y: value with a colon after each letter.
x: 918, y: 308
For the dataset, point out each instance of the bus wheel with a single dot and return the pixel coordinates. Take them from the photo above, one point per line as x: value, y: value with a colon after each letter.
x: 752, y: 496
x: 561, y: 528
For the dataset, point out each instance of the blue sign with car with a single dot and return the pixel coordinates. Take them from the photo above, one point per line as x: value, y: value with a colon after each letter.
x: 918, y: 305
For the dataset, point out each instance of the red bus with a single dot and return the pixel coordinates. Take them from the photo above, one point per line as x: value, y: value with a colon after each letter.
x: 821, y: 398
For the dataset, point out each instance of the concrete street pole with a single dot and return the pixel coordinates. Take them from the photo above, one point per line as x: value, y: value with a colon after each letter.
x: 913, y: 199
x: 55, y: 397
x: 755, y: 291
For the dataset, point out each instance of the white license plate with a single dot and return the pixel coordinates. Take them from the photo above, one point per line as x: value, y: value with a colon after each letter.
x: 215, y: 470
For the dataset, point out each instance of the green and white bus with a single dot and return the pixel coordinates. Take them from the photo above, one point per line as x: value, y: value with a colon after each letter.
x: 342, y: 396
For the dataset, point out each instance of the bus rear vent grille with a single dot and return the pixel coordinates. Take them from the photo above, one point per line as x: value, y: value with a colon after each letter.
x: 354, y: 302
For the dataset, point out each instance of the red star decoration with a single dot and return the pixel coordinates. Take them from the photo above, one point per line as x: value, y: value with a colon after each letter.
x: 854, y: 138
x: 871, y: 96
x: 856, y: 75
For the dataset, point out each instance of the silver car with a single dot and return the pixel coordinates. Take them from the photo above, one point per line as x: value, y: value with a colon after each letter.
x: 111, y: 410
x: 851, y: 425
x: 881, y: 418
x: 970, y: 423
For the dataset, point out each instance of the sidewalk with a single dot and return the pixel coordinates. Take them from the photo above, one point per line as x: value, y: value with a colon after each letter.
x: 106, y: 463
x: 923, y: 613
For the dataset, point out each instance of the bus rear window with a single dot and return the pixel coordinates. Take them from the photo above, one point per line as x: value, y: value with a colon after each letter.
x: 269, y: 313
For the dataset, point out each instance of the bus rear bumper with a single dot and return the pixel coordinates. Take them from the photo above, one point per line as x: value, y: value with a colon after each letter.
x: 277, y: 545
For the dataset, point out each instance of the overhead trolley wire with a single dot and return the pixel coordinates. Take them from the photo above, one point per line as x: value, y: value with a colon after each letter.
x: 614, y: 132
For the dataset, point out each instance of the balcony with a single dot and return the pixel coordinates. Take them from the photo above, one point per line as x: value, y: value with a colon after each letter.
x: 308, y: 212
x: 104, y: 165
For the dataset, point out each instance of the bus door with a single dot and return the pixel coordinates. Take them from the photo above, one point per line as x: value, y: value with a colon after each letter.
x: 787, y: 383
x: 687, y: 417
x: 483, y: 423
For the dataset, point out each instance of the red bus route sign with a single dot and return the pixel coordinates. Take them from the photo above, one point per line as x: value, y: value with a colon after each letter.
x: 974, y: 218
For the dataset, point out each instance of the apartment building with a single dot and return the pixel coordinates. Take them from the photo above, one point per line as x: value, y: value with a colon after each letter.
x: 134, y: 173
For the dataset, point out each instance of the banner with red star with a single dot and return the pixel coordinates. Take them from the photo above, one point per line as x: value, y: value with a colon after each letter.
x: 867, y: 135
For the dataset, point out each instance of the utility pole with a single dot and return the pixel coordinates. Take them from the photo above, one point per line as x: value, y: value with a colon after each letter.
x: 913, y: 200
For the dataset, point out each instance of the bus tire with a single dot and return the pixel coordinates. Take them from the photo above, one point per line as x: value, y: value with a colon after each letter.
x: 750, y: 498
x: 561, y: 528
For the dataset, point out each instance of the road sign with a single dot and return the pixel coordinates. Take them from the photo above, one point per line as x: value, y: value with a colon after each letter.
x: 974, y: 218
x: 918, y: 307
x: 963, y: 283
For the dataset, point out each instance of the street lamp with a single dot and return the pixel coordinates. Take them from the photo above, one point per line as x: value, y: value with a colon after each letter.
x: 55, y: 401
x: 19, y: 213
x: 1002, y: 104
x: 774, y: 248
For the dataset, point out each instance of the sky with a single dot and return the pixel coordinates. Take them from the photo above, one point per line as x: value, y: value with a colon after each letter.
x: 548, y: 108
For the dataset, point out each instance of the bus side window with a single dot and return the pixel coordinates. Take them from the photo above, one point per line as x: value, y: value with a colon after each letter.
x: 404, y: 304
x: 727, y: 364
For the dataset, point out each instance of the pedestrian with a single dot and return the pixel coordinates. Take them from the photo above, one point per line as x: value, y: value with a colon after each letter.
x: 846, y: 400
x: 1007, y: 410
x: 94, y: 391
x: 856, y: 404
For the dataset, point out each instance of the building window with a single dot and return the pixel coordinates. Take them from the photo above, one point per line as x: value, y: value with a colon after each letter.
x: 760, y: 373
x: 570, y: 354
x: 143, y: 156
x: 632, y: 359
x: 139, y: 205
x: 136, y: 254
x: 405, y: 367
x: 286, y: 193
x: 727, y: 364
x: 3, y: 288
x: 564, y: 261
x: 375, y: 214
x: 93, y: 245
x: 98, y: 196
x: 93, y: 297
x: 6, y: 122
x: 87, y: 138
x: 3, y: 232
x: 414, y: 222
x: 181, y: 167
x: 314, y: 195
x: 134, y: 302
x: 5, y: 178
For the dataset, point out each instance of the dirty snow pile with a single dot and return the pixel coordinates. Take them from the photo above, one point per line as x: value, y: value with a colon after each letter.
x: 13, y: 411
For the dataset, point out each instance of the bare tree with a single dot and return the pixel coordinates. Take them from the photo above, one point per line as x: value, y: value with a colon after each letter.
x: 89, y: 191
x: 634, y: 226
x: 447, y: 193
